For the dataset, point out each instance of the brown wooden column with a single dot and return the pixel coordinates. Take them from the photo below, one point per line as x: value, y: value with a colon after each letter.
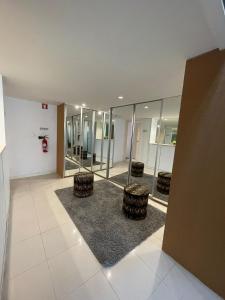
x: 60, y: 139
x: 195, y: 225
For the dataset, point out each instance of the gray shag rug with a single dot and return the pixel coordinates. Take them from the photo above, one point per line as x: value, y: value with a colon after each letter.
x: 101, y: 222
x: 146, y: 180
x: 69, y: 165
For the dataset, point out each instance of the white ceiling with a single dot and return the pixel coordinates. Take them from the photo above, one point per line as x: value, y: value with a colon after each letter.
x: 91, y: 51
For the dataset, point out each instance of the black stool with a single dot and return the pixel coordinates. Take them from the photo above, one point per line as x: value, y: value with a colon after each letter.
x: 135, y: 201
x: 83, y: 154
x: 137, y: 169
x: 83, y: 184
x: 163, y: 182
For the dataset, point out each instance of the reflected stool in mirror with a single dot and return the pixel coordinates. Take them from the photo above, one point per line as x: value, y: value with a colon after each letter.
x: 83, y: 184
x: 84, y: 154
x: 163, y: 182
x: 135, y: 201
x: 137, y: 169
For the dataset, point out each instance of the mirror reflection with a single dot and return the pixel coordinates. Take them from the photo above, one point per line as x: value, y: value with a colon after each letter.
x: 72, y: 136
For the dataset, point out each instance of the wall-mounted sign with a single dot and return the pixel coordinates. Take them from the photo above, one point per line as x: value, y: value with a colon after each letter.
x: 43, y: 128
x: 44, y: 106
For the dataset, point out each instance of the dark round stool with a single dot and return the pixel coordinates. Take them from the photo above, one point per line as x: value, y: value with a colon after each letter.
x: 84, y: 154
x: 137, y: 169
x: 135, y: 201
x: 77, y: 150
x: 163, y: 182
x: 94, y: 158
x: 83, y: 184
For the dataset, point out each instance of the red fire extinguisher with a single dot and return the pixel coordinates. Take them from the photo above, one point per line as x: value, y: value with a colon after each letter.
x: 45, y: 144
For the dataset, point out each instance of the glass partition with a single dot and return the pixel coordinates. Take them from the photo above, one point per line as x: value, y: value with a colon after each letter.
x: 87, y: 139
x: 150, y: 142
x: 166, y: 140
x: 97, y: 146
x: 102, y: 143
x: 144, y: 154
x: 138, y: 147
x: 72, y: 137
x: 120, y: 148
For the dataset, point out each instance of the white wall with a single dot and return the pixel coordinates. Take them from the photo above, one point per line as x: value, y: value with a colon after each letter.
x: 2, y: 124
x: 4, y: 192
x: 23, y: 121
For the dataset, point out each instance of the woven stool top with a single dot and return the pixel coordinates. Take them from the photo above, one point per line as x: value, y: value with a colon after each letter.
x: 137, y: 189
x: 165, y: 175
x: 84, y: 174
x: 137, y: 163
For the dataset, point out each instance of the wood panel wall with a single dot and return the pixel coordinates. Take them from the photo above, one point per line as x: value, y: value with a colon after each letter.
x: 60, y: 139
x: 195, y: 225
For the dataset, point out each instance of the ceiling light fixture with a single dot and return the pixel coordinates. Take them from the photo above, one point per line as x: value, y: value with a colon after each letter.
x: 120, y: 97
x: 146, y: 106
x: 77, y: 106
x: 99, y: 113
x: 83, y: 104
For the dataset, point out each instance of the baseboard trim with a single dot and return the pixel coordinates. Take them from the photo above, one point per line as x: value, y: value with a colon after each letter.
x: 33, y: 174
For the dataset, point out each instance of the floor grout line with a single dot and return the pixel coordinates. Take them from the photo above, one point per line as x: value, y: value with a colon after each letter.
x: 50, y: 277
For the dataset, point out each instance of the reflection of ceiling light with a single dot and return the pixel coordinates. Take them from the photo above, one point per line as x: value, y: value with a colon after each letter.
x: 158, y: 126
x: 146, y: 107
x: 99, y: 113
x: 77, y: 106
x: 85, y: 116
x: 83, y: 104
x: 120, y: 97
x: 165, y: 119
x: 108, y: 274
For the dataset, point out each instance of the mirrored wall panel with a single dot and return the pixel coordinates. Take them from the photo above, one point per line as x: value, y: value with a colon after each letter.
x: 87, y: 140
x: 120, y: 149
x: 149, y: 140
x: 166, y: 141
x: 72, y: 140
x: 87, y: 154
x: 139, y: 145
x: 144, y: 153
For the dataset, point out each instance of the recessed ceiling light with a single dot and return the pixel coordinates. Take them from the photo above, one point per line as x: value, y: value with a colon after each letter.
x: 120, y: 97
x: 99, y: 113
x: 77, y: 106
x: 146, y: 106
x: 83, y: 104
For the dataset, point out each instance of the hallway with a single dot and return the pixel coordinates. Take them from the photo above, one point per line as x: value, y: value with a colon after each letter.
x: 48, y: 258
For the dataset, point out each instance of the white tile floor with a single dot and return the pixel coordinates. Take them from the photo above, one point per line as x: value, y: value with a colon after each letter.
x: 48, y: 258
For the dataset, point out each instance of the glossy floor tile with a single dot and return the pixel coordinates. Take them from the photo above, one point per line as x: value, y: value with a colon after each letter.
x: 72, y: 268
x: 25, y: 255
x: 34, y: 284
x: 48, y: 259
x: 96, y: 288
